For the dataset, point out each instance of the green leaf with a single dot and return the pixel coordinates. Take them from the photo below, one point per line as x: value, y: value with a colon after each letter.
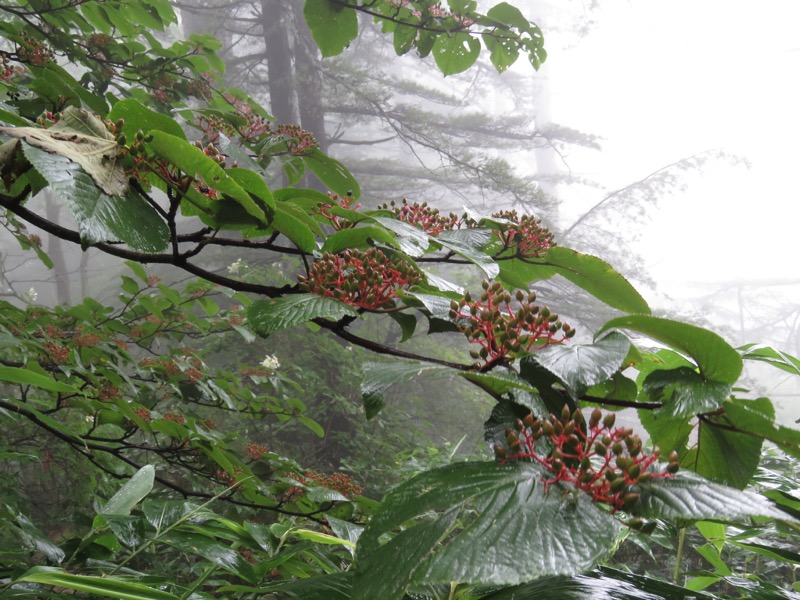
x: 130, y: 494
x: 598, y: 278
x: 455, y: 52
x: 138, y: 117
x: 357, y: 237
x: 582, y: 365
x: 517, y: 274
x: 378, y: 377
x: 509, y: 530
x: 603, y: 584
x: 509, y: 15
x: 101, y: 586
x: 725, y: 456
x: 194, y: 162
x: 292, y: 222
x: 404, y: 37
x: 333, y: 174
x: 769, y: 355
x: 332, y: 26
x: 716, y: 359
x: 266, y: 317
x: 26, y: 377
x: 503, y: 49
x: 101, y: 218
x: 772, y: 551
x: 321, y: 538
x: 667, y: 433
x: 412, y: 241
x: 499, y: 381
x: 456, y: 242
x: 757, y: 418
x: 690, y: 497
x: 213, y: 551
x: 684, y: 392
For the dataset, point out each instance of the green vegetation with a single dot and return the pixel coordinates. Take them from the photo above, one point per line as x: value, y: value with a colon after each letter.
x: 146, y: 455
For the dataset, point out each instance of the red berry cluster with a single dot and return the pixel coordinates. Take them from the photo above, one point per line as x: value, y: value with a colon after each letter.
x: 367, y: 279
x: 7, y: 70
x: 429, y: 219
x: 526, y: 234
x: 605, y: 461
x: 34, y: 52
x: 338, y: 482
x: 502, y: 330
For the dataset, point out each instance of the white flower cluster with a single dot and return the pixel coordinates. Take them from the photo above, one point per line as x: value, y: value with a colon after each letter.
x: 235, y: 267
x: 30, y: 296
x: 270, y: 363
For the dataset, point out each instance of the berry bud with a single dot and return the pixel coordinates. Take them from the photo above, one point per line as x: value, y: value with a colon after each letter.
x: 609, y: 420
x: 597, y: 414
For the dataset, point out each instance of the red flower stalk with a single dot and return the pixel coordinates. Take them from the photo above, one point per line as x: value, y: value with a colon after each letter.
x: 368, y: 280
x: 525, y: 234
x: 429, y: 219
x: 604, y: 461
x: 503, y: 331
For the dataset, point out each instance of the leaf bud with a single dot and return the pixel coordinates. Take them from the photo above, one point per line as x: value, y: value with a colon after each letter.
x: 673, y: 456
x: 616, y: 448
x: 520, y: 295
x: 454, y: 305
x: 565, y: 413
x: 609, y: 420
x: 617, y: 485
x: 485, y: 284
x: 569, y: 428
x: 600, y: 449
x: 547, y: 428
x: 570, y: 334
x: 529, y: 421
x: 474, y: 354
x: 634, y: 471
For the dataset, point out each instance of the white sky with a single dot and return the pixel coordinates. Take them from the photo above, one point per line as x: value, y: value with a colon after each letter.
x: 664, y: 80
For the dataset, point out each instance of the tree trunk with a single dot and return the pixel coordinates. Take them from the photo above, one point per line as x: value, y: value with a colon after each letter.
x: 274, y: 20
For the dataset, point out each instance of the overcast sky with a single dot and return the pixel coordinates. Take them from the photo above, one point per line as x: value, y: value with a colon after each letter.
x: 664, y: 80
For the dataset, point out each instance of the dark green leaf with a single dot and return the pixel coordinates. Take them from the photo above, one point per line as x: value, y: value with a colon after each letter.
x: 404, y: 37
x: 518, y: 274
x: 296, y: 225
x: 666, y: 433
x: 101, y: 218
x: 499, y: 381
x: 509, y: 530
x: 604, y: 584
x: 772, y: 551
x: 690, y: 497
x: 332, y: 26
x: 684, y: 392
x: 212, y: 550
x: 582, y: 365
x: 37, y: 540
x: 268, y: 316
x: 128, y: 530
x: 717, y: 360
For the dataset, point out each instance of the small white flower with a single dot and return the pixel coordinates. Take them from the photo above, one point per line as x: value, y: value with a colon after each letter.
x: 270, y: 363
x: 235, y: 267
x: 30, y: 296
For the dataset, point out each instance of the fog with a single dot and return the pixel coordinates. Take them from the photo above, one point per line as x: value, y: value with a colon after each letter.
x: 662, y: 81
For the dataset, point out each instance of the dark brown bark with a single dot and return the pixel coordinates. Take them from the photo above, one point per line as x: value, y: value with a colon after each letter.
x: 274, y: 20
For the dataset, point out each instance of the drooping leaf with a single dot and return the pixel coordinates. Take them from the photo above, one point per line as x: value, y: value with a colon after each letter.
x: 757, y: 418
x: 509, y: 530
x: 598, y: 278
x: 771, y: 356
x: 37, y: 540
x: 107, y: 587
x: 717, y: 360
x: 212, y: 550
x: 499, y: 381
x: 82, y: 139
x: 582, y: 365
x: 684, y: 392
x: 130, y: 494
x: 101, y: 218
x: 332, y: 173
x: 412, y: 241
x: 332, y: 26
x: 268, y: 316
x: 27, y: 377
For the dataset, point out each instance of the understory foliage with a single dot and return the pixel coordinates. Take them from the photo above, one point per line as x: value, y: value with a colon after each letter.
x: 188, y: 456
